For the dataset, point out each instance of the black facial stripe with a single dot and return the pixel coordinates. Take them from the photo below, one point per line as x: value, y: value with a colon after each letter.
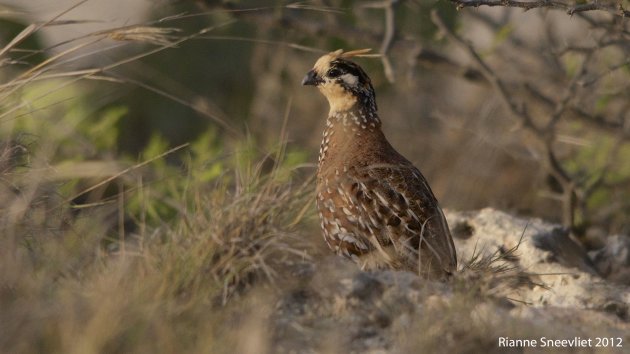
x: 346, y: 68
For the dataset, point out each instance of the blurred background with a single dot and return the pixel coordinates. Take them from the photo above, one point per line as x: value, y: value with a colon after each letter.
x: 175, y: 70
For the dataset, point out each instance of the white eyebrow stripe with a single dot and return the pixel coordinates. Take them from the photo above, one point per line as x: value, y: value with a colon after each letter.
x: 350, y: 79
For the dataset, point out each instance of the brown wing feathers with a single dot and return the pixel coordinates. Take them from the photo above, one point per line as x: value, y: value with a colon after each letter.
x: 375, y: 206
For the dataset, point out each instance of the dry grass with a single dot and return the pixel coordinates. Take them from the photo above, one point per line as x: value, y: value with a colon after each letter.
x: 73, y: 288
x: 103, y: 254
x: 496, y: 274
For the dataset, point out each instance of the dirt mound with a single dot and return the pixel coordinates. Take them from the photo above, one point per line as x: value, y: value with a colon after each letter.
x: 521, y: 279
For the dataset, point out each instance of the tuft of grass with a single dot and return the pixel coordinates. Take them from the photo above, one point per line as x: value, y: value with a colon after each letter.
x: 234, y: 234
x: 496, y: 274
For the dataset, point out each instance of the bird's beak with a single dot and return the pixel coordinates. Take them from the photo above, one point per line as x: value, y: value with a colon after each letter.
x: 311, y: 78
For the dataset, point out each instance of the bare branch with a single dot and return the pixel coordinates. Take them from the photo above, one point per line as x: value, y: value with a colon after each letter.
x: 546, y: 135
x: 571, y: 9
x: 518, y: 111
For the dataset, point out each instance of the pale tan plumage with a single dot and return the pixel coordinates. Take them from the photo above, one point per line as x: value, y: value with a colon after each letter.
x: 375, y: 206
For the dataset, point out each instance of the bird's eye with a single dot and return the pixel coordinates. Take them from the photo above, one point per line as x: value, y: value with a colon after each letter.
x: 334, y: 72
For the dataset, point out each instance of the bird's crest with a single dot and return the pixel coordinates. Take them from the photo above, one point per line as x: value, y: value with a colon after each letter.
x: 354, y: 53
x: 323, y: 63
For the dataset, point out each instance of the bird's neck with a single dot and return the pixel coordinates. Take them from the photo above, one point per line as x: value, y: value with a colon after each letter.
x: 343, y: 127
x: 356, y: 119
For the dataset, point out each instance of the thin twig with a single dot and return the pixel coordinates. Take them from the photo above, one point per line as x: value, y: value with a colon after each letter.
x: 389, y: 33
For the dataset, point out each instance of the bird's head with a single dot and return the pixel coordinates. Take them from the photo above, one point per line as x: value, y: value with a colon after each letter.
x: 342, y: 82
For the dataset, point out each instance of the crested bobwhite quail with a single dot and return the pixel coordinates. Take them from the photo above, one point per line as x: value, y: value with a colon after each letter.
x: 375, y: 206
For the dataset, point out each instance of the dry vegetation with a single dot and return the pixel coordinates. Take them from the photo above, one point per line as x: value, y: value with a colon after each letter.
x: 157, y: 247
x: 101, y: 253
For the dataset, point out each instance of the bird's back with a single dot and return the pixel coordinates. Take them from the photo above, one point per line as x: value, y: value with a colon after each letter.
x: 376, y: 207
